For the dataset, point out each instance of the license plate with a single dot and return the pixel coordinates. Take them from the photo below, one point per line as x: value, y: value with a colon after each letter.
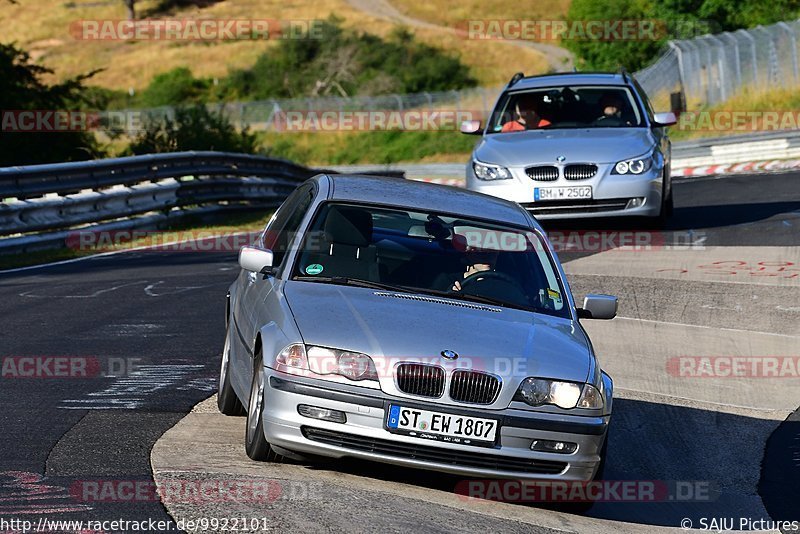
x: 562, y: 193
x: 441, y: 426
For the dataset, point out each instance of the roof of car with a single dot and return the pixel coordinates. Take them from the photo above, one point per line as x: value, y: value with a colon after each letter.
x: 425, y: 196
x: 571, y: 78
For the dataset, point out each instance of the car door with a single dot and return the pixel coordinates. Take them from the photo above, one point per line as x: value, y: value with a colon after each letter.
x: 254, y: 288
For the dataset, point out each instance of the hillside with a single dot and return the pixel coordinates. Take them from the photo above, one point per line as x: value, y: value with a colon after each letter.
x: 43, y: 28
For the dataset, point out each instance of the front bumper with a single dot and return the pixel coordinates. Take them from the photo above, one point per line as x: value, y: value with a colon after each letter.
x: 364, y: 435
x: 611, y: 193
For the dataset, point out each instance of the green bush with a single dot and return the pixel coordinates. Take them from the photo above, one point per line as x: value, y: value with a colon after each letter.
x: 193, y: 128
x: 346, y: 63
x: 177, y: 87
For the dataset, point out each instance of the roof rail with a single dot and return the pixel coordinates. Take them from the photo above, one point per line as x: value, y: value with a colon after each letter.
x: 514, y: 79
x: 624, y: 74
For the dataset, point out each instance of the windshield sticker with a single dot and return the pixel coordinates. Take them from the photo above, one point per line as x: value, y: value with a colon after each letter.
x: 314, y: 268
x: 554, y: 295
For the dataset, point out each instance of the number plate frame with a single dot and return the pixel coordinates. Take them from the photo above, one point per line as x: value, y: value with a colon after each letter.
x: 537, y: 193
x: 440, y: 437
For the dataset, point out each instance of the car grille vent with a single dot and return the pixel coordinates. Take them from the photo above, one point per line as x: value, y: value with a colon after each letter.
x: 544, y: 173
x: 435, y: 300
x: 474, y: 387
x: 419, y: 379
x: 579, y: 172
x: 427, y: 453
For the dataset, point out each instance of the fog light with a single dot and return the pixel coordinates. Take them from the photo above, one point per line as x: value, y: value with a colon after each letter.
x: 325, y: 414
x: 560, y: 447
x: 634, y: 203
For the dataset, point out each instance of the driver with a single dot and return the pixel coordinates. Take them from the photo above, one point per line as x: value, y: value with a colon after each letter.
x: 611, y: 106
x: 477, y: 261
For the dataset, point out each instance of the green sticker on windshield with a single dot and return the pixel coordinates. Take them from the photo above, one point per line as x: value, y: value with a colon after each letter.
x: 314, y: 268
x: 554, y: 295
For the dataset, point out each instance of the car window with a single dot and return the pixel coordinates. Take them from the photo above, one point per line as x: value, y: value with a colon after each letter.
x: 433, y: 253
x: 566, y: 107
x: 281, y: 229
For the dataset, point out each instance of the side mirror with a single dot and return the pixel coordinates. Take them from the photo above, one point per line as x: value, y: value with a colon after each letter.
x: 255, y: 260
x: 665, y: 119
x: 471, y: 127
x: 598, y: 307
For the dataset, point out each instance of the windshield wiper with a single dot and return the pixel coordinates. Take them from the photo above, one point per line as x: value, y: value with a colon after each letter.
x: 345, y: 281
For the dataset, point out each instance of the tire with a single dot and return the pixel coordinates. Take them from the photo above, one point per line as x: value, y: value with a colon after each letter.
x: 227, y: 401
x: 255, y: 443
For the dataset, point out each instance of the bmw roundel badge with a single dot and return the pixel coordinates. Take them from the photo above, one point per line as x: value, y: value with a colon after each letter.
x: 449, y: 354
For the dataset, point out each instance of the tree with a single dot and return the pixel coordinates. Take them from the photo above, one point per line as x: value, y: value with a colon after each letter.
x: 21, y: 90
x: 131, y: 6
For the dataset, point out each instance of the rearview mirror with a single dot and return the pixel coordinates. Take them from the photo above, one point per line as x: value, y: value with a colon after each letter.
x: 255, y: 260
x: 471, y: 127
x: 665, y: 119
x: 598, y: 307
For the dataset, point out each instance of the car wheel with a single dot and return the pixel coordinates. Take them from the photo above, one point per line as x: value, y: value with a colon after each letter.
x: 227, y: 401
x: 255, y: 443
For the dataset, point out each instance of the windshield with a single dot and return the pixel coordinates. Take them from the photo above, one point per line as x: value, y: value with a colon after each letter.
x: 430, y: 253
x: 566, y: 107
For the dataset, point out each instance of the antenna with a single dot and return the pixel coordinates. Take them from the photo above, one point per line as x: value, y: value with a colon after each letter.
x: 514, y: 79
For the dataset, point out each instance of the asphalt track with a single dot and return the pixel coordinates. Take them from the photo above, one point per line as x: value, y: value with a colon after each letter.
x: 62, y: 435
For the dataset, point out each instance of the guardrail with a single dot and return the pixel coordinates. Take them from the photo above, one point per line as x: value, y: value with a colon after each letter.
x: 43, y: 204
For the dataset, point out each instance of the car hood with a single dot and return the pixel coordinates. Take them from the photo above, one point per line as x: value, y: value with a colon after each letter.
x: 596, y: 145
x: 390, y: 327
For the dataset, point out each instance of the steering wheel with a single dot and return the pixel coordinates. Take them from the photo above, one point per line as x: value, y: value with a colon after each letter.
x: 474, y: 277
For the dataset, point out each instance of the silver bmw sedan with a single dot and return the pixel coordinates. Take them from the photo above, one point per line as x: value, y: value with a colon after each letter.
x: 414, y: 324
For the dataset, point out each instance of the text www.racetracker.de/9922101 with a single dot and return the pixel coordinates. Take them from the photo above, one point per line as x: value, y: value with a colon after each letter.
x: 216, y: 524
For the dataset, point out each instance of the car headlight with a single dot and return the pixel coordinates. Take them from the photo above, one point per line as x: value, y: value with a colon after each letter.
x: 567, y: 395
x: 352, y: 365
x: 633, y: 166
x: 293, y: 356
x: 486, y: 171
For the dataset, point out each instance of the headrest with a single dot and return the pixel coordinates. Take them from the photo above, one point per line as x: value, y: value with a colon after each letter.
x: 348, y: 226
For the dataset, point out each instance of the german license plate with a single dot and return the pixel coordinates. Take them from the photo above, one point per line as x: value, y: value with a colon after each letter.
x: 562, y: 193
x: 441, y: 426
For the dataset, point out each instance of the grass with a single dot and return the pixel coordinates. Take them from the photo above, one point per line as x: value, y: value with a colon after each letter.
x: 43, y: 28
x: 715, y: 121
x: 454, y: 13
x: 379, y: 147
x: 235, y: 223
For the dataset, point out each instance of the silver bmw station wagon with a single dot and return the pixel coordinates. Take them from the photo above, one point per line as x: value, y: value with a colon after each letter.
x: 575, y: 145
x: 414, y: 324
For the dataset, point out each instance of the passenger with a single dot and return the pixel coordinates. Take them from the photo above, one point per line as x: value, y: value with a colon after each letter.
x: 527, y: 115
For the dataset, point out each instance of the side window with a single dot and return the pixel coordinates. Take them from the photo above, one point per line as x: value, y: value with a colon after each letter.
x: 280, y: 231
